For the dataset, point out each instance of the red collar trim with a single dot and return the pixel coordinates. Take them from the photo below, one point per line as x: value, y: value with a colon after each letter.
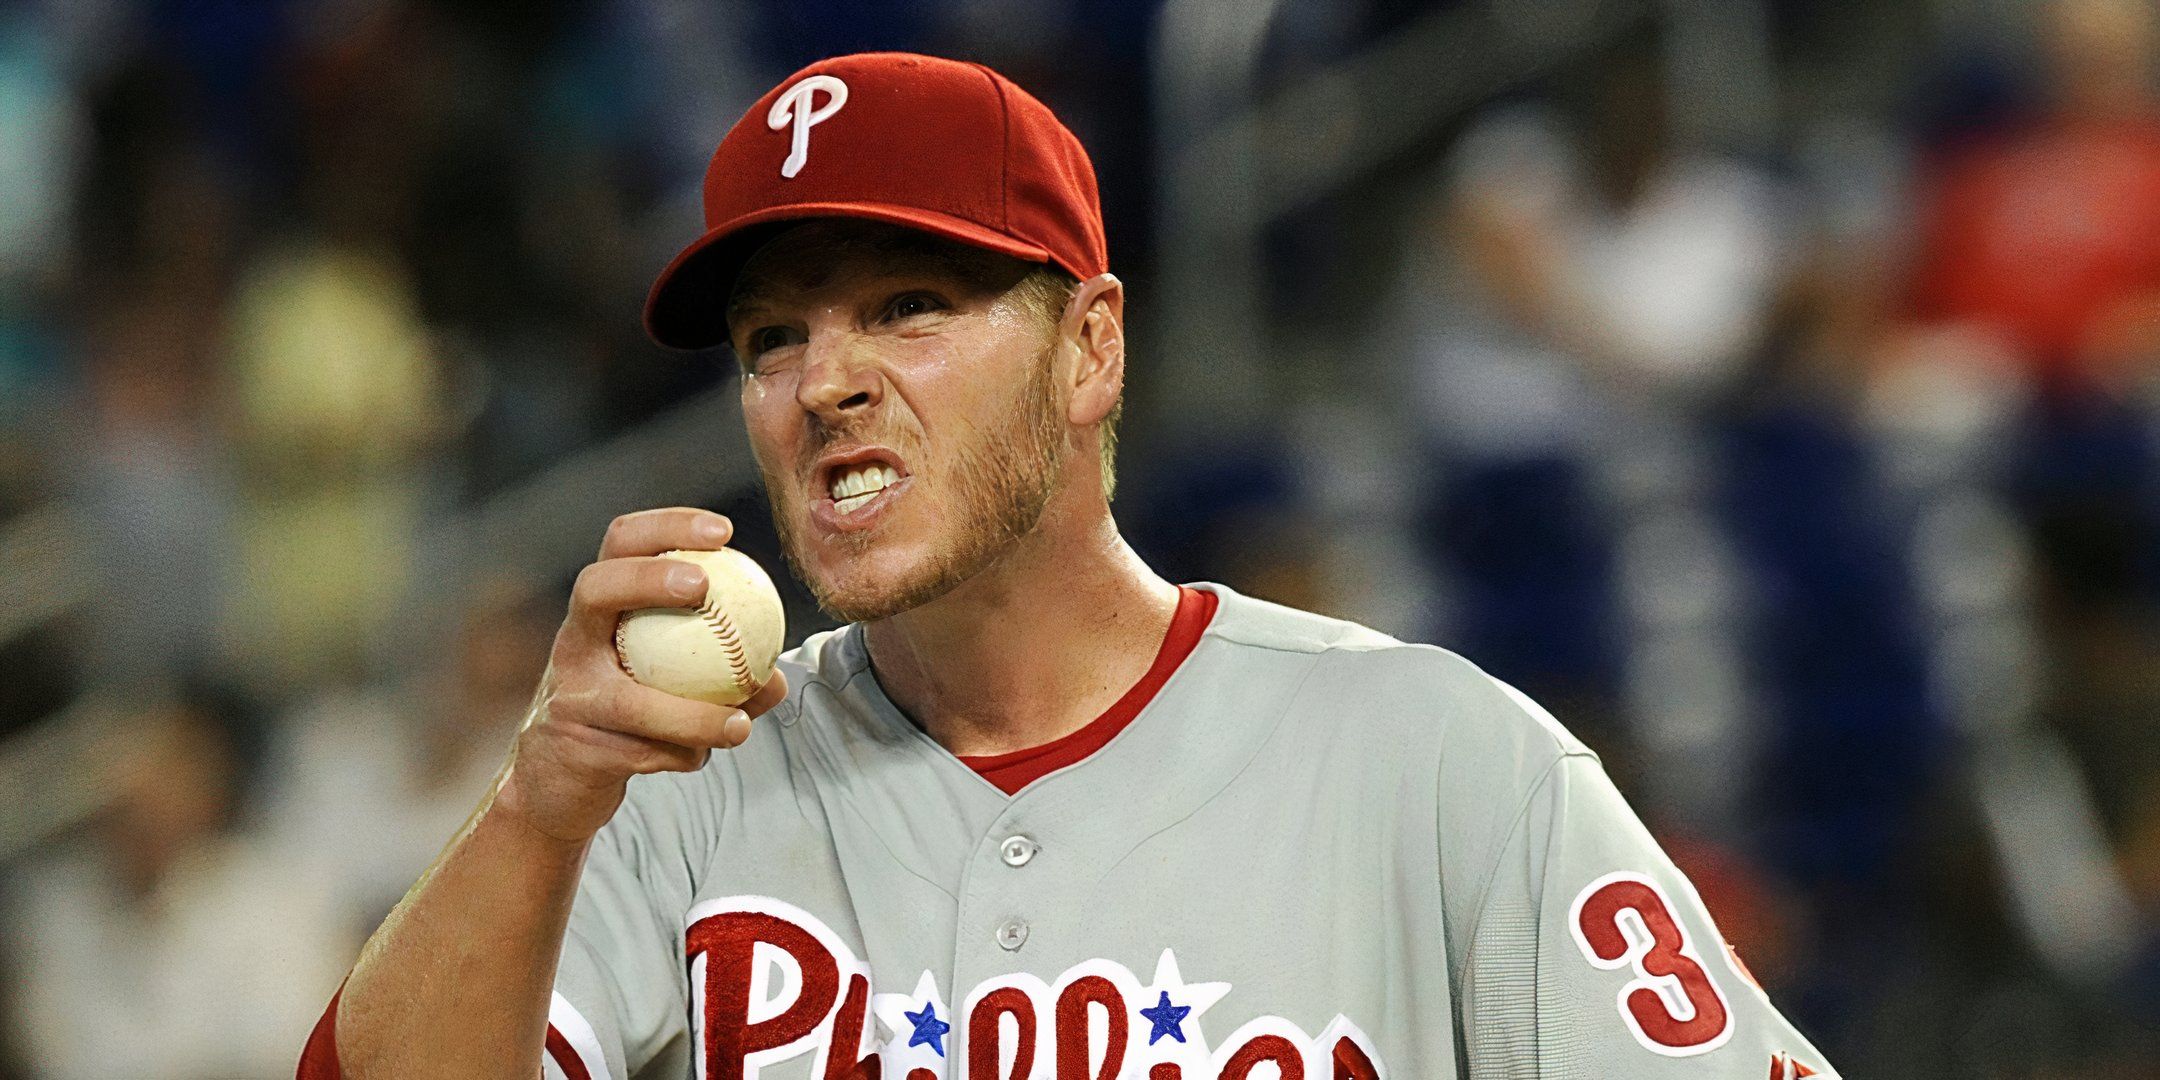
x: 1010, y: 772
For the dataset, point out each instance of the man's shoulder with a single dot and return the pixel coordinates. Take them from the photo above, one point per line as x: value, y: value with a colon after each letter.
x: 1263, y: 624
x: 828, y: 657
x: 1409, y: 693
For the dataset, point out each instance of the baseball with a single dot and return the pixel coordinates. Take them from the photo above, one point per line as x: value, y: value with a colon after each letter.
x: 722, y: 650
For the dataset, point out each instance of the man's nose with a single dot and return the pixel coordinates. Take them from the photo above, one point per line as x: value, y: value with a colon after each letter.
x: 840, y: 377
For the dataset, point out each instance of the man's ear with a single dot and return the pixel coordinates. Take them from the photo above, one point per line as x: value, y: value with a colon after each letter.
x: 1094, y: 324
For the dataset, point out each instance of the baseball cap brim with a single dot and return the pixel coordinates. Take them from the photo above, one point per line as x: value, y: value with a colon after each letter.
x: 687, y: 308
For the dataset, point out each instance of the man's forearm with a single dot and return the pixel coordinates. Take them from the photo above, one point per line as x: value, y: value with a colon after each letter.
x: 456, y: 982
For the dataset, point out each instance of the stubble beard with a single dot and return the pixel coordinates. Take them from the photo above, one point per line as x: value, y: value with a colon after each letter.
x: 1001, y: 481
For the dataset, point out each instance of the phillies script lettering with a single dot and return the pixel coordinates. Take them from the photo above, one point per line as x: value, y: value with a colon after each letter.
x: 771, y: 983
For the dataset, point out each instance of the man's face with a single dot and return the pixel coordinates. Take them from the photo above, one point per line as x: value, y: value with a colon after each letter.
x: 902, y: 405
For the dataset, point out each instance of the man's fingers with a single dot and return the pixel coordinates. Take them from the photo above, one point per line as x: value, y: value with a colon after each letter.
x: 768, y: 695
x: 598, y: 697
x: 650, y: 532
x: 617, y: 752
x: 633, y: 708
x: 606, y: 589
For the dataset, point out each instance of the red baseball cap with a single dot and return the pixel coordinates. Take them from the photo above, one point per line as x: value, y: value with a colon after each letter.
x: 951, y: 148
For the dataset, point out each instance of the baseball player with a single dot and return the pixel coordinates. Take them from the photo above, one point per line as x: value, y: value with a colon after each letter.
x: 1034, y: 813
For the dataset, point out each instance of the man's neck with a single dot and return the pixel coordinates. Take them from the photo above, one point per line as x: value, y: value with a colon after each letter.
x: 1033, y: 647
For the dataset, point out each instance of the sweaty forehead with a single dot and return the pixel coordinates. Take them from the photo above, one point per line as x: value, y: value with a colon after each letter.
x: 817, y: 254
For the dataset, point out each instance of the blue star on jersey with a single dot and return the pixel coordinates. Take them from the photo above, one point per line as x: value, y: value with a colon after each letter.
x: 929, y: 1029
x: 1167, y: 1018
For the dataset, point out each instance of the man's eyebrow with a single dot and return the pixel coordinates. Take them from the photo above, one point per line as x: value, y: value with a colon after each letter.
x: 957, y: 265
x: 746, y: 299
x: 755, y: 295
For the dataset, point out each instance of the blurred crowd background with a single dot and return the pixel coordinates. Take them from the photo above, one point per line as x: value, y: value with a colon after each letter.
x: 1771, y: 387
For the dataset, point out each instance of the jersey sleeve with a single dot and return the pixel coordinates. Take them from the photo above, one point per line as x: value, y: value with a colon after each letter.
x: 620, y: 1009
x: 1592, y: 956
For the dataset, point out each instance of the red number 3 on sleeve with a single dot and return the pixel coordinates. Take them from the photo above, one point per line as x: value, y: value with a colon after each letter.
x: 1672, y: 1006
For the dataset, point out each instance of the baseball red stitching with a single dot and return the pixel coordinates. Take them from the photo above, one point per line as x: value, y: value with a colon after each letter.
x: 724, y: 629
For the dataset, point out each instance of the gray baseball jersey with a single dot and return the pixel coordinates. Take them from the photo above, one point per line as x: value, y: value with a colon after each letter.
x: 1317, y: 853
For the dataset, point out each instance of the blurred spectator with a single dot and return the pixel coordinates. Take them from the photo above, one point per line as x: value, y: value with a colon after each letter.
x: 1652, y: 263
x: 1582, y: 290
x: 1838, y: 660
x: 2045, y: 233
x: 150, y: 479
x: 170, y: 941
x: 366, y: 788
x: 1838, y: 654
x: 146, y: 464
x: 335, y: 389
x: 2039, y: 253
x: 1658, y: 507
x: 1512, y: 412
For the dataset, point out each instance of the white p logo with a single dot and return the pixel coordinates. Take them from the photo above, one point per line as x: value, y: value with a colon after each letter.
x: 797, y: 105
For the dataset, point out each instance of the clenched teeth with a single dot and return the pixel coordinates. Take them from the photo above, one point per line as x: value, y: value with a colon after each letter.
x: 860, y: 483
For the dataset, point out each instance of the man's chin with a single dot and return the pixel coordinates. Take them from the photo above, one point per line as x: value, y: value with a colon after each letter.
x: 872, y: 601
x: 875, y: 584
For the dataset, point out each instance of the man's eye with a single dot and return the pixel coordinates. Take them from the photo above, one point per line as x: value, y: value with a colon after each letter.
x: 912, y: 304
x: 767, y: 338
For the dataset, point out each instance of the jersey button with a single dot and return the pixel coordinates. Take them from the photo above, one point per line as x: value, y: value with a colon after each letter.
x: 1011, y: 935
x: 1018, y: 849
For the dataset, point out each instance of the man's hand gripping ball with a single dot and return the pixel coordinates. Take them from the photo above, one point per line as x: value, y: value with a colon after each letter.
x: 591, y: 725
